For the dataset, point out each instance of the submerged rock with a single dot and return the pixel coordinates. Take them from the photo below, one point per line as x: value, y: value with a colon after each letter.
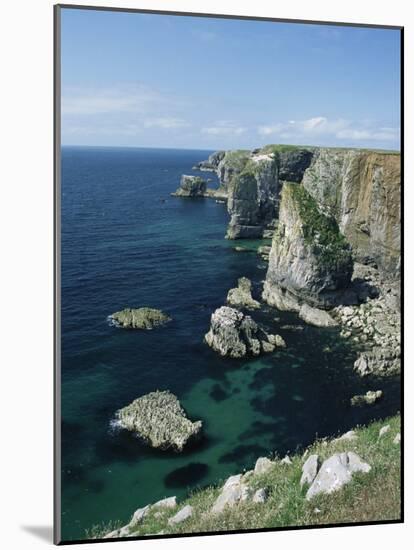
x: 310, y: 260
x: 159, y: 420
x: 369, y: 398
x: 191, y: 186
x: 242, y: 295
x: 140, y: 318
x: 236, y: 335
x: 336, y: 472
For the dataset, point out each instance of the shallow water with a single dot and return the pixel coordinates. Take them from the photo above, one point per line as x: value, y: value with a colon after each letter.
x: 127, y: 242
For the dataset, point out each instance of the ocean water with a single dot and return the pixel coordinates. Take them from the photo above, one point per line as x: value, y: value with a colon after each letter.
x: 127, y: 243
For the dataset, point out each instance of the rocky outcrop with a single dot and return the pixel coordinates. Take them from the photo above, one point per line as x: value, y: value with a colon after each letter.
x: 211, y: 164
x: 185, y: 513
x: 336, y: 472
x: 310, y: 260
x: 145, y: 318
x: 191, y: 186
x: 236, y: 335
x: 361, y: 189
x: 375, y: 323
x: 159, y: 420
x: 242, y: 295
x: 369, y: 398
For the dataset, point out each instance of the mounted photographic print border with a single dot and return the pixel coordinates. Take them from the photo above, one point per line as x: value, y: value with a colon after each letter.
x: 123, y: 253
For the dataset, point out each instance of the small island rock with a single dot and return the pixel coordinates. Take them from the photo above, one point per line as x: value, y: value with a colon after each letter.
x: 159, y: 420
x: 140, y: 318
x: 191, y: 186
x: 235, y: 335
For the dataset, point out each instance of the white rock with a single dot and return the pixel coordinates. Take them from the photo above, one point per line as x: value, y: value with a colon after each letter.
x: 335, y: 472
x: 170, y: 502
x: 233, y: 480
x: 316, y: 317
x: 309, y: 470
x: 229, y: 496
x: 286, y: 460
x: 139, y: 515
x: 262, y: 465
x: 348, y: 436
x: 182, y: 515
x: 384, y: 430
x: 397, y: 439
x: 260, y: 496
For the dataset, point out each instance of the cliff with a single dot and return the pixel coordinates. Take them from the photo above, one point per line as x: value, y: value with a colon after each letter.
x: 310, y: 261
x: 361, y: 189
x: 253, y: 180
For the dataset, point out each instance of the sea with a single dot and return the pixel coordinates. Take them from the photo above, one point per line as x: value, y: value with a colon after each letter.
x: 126, y: 242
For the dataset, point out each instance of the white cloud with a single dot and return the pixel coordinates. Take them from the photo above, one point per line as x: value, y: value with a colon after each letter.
x: 318, y: 126
x: 166, y: 123
x: 224, y: 128
x: 94, y: 101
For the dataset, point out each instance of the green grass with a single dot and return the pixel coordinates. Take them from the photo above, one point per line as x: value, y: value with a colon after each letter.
x: 368, y: 497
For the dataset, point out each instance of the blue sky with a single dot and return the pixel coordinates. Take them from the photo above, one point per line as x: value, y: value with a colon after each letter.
x: 143, y: 80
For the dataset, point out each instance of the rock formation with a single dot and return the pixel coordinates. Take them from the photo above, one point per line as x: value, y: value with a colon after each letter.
x: 159, y: 420
x: 336, y: 472
x: 369, y: 398
x: 236, y: 335
x: 242, y: 295
x: 316, y: 317
x: 211, y: 164
x: 141, y: 318
x: 361, y: 189
x: 310, y: 260
x: 253, y: 198
x: 191, y: 186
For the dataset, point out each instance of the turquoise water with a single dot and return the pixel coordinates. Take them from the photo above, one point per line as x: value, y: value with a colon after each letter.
x: 126, y: 242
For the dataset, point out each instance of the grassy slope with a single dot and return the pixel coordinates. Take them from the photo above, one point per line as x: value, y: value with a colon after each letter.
x: 369, y: 497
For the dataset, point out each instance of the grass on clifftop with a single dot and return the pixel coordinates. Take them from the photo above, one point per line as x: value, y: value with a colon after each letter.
x: 374, y: 496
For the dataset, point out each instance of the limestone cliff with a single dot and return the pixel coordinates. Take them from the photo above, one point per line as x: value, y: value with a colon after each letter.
x: 361, y: 189
x: 310, y: 260
x: 254, y: 181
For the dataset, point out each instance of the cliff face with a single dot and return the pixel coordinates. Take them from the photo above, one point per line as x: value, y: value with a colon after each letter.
x: 361, y: 189
x: 253, y: 181
x: 310, y: 260
x: 252, y: 198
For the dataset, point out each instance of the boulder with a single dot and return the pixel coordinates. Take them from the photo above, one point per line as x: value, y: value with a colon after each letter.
x: 397, y: 439
x: 234, y: 334
x: 242, y: 295
x: 384, y: 430
x: 182, y: 515
x: 159, y: 420
x: 310, y: 261
x: 140, y: 318
x: 335, y: 472
x: 263, y: 464
x: 169, y: 502
x: 309, y: 470
x: 369, y: 398
x: 316, y: 317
